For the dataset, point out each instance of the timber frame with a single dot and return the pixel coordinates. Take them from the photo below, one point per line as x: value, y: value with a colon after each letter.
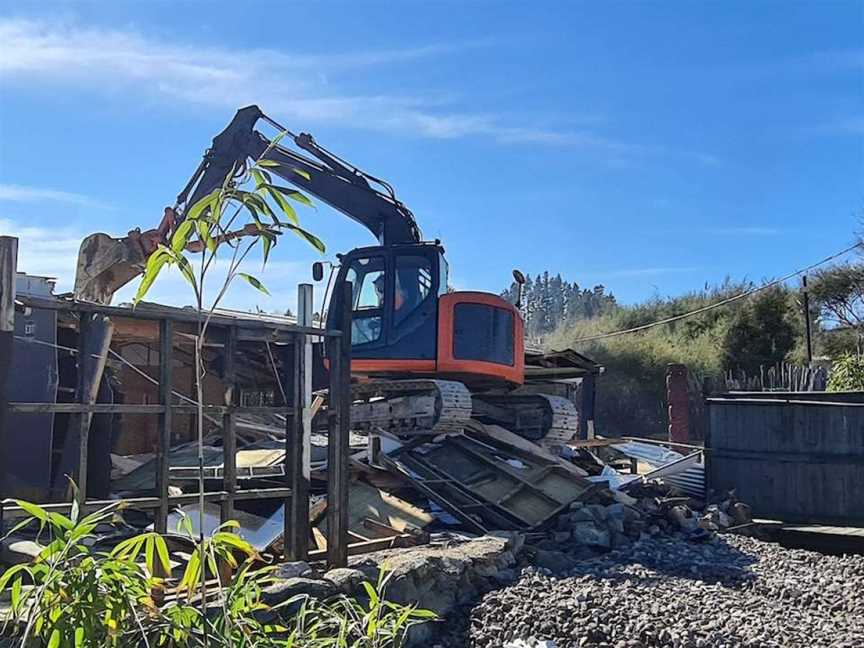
x: 95, y: 323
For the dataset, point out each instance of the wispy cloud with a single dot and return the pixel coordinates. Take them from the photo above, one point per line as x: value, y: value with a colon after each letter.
x: 25, y: 194
x: 53, y: 252
x: 297, y: 87
x: 49, y: 252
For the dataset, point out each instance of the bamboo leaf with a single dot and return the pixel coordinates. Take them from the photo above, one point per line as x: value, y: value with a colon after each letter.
x: 54, y: 641
x: 302, y: 173
x: 310, y: 238
x: 268, y: 163
x: 180, y: 238
x: 204, y: 235
x: 255, y: 283
x: 162, y: 550
x: 266, y: 243
x: 293, y: 194
x: 154, y: 266
x: 286, y: 208
x: 198, y: 208
x: 34, y: 510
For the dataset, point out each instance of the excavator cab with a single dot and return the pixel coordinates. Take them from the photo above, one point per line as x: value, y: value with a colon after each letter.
x: 404, y: 320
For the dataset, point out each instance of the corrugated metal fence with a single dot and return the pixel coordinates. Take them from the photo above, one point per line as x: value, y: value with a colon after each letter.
x: 796, y: 456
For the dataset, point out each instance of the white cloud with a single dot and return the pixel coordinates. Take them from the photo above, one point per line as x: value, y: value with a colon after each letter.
x: 296, y: 87
x: 26, y: 194
x: 49, y: 252
x: 53, y: 252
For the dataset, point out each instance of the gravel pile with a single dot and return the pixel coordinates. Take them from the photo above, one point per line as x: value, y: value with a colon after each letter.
x: 730, y: 591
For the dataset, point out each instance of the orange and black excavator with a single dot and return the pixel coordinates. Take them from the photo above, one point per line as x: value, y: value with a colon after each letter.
x: 434, y: 356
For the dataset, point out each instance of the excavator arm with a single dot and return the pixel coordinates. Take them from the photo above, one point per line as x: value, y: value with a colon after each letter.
x: 106, y: 264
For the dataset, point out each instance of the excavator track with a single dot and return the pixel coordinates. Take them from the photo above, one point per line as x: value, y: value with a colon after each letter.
x: 410, y: 407
x: 541, y: 418
x: 428, y: 406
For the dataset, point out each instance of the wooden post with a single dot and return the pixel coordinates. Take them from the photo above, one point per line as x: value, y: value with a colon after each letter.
x: 229, y: 434
x: 678, y: 400
x: 338, y: 429
x: 808, y: 330
x: 94, y: 339
x: 586, y: 415
x: 298, y: 437
x: 8, y: 269
x: 166, y: 363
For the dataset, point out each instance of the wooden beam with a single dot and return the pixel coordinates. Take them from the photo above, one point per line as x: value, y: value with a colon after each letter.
x: 166, y: 364
x: 339, y: 413
x: 94, y: 339
x: 229, y: 433
x: 8, y: 269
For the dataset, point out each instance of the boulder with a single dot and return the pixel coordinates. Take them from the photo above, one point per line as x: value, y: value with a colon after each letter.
x: 589, y: 534
x: 292, y: 569
x: 284, y: 589
x: 347, y: 580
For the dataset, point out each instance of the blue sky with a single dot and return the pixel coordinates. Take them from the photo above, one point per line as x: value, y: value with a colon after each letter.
x: 651, y: 147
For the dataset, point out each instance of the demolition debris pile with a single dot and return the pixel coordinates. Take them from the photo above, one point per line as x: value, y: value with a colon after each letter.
x: 666, y: 591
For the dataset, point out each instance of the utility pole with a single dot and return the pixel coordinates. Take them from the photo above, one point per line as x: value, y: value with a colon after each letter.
x: 807, y: 328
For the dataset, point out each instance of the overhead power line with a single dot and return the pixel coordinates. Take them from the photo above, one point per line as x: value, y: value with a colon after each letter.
x: 722, y: 302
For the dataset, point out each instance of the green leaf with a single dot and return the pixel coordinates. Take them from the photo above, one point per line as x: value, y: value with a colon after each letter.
x: 293, y: 194
x: 54, y: 641
x: 267, y: 243
x: 154, y: 266
x: 310, y: 238
x: 255, y: 283
x: 59, y: 521
x: 260, y: 181
x: 187, y: 271
x: 268, y: 163
x: 286, y: 208
x: 180, y: 238
x: 75, y: 511
x: 198, y: 208
x: 79, y: 637
x: 261, y: 205
x: 34, y: 510
x: 204, y: 235
x: 302, y: 173
x: 162, y: 551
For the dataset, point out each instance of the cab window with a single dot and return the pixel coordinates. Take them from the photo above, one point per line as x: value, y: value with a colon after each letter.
x: 367, y: 278
x: 413, y: 284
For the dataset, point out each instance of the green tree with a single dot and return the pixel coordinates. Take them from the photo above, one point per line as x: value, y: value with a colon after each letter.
x: 761, y: 333
x: 838, y: 293
x: 847, y: 374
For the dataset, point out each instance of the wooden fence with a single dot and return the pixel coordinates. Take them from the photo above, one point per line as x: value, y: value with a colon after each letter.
x: 791, y: 456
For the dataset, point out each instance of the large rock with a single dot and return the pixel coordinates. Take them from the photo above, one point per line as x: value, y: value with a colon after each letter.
x: 440, y: 578
x: 284, y: 589
x: 292, y: 569
x: 15, y: 550
x: 591, y: 535
x: 347, y: 580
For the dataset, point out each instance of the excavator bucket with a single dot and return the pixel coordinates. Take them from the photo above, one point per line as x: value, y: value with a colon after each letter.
x: 106, y: 264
